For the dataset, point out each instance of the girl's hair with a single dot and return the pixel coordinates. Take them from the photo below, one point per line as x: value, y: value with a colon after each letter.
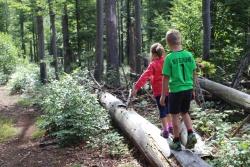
x: 156, y: 49
x: 173, y: 37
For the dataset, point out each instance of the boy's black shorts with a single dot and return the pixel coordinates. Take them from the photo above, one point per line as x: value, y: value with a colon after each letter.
x: 179, y: 102
x: 162, y: 109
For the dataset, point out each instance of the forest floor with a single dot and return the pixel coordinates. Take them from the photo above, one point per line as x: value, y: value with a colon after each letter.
x: 23, y: 150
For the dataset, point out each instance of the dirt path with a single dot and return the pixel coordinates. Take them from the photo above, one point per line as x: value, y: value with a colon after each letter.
x: 23, y: 151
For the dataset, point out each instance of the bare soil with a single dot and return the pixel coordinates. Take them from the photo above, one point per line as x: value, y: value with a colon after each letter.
x: 23, y: 151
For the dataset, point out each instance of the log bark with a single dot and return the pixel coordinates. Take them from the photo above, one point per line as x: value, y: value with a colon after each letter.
x: 146, y: 136
x: 228, y: 94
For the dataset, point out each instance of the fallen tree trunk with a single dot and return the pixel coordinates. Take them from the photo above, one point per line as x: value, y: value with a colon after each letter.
x: 147, y: 136
x: 228, y: 94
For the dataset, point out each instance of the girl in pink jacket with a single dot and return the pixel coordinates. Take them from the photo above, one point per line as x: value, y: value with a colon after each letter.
x: 154, y: 74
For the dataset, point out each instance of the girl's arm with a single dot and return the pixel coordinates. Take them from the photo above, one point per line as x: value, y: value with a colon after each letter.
x: 144, y: 77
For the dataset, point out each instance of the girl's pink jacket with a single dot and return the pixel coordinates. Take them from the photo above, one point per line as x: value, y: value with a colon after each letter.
x: 154, y: 74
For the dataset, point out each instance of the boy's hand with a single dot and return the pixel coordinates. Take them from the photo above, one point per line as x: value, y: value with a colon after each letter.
x: 162, y: 101
x: 193, y: 95
x: 134, y: 92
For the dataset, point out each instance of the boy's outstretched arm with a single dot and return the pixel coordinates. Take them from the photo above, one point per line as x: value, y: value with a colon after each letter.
x: 164, y: 90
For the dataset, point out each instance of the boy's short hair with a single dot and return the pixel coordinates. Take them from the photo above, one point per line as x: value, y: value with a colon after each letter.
x: 173, y: 37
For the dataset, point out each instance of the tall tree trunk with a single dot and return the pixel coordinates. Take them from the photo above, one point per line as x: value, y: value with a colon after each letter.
x: 40, y: 46
x: 132, y: 51
x: 66, y: 47
x: 138, y: 35
x: 53, y: 38
x: 99, y: 40
x: 21, y: 22
x: 34, y: 40
x: 248, y: 35
x: 77, y: 12
x: 122, y: 35
x: 6, y: 15
x: 113, y: 76
x: 206, y: 28
x: 31, y: 52
x: 150, y: 15
x: 118, y: 9
x: 128, y: 22
x: 131, y: 54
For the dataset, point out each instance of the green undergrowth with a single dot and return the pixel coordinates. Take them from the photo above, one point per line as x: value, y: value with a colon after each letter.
x: 25, y: 102
x: 73, y: 114
x: 7, y: 129
x: 38, y: 133
x: 26, y: 79
x: 227, y: 150
x: 71, y: 111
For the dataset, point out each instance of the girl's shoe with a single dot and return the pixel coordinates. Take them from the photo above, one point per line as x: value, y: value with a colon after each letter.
x: 171, y: 130
x: 165, y: 134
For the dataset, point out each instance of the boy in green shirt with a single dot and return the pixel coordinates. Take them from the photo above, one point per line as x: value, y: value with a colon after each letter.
x: 179, y: 76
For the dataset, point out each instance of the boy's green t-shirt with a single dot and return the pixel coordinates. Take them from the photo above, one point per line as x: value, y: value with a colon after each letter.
x: 179, y: 67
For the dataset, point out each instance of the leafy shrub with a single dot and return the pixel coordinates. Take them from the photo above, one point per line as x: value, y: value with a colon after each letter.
x: 72, y: 113
x: 25, y: 78
x: 208, y: 69
x: 8, y: 57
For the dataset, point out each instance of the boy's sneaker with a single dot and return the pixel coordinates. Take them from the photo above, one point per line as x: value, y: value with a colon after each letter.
x: 191, y: 141
x: 165, y: 134
x: 175, y: 145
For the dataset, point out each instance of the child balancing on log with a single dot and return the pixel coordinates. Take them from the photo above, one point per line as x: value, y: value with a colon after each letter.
x: 154, y: 74
x: 179, y: 78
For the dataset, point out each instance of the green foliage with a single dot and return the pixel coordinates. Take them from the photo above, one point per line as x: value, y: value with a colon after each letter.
x: 72, y: 113
x: 38, y: 133
x: 111, y: 138
x: 7, y: 130
x: 3, y: 78
x: 210, y: 123
x: 25, y: 79
x: 8, y: 57
x: 206, y: 68
x: 186, y: 16
x: 229, y: 151
x: 25, y: 102
x: 234, y: 152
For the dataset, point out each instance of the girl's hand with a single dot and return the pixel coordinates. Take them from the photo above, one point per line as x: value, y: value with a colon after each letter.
x: 134, y: 92
x: 162, y: 101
